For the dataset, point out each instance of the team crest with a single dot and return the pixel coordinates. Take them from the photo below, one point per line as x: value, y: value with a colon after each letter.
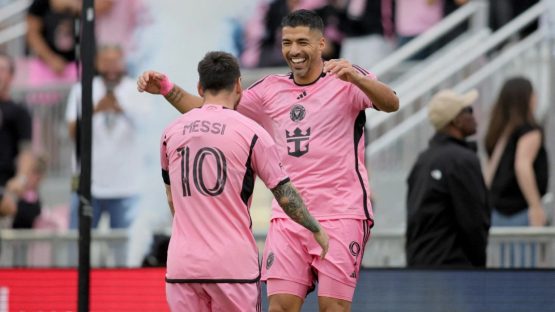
x: 354, y: 247
x: 270, y: 260
x: 297, y: 112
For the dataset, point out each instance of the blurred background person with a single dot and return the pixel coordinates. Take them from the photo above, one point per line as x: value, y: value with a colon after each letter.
x: 116, y: 157
x: 51, y: 38
x: 16, y: 155
x: 448, y: 213
x: 29, y: 204
x: 415, y: 17
x: 517, y: 169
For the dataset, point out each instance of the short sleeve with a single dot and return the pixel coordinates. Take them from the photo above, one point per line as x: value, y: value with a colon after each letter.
x: 359, y: 99
x: 39, y: 7
x: 72, y: 103
x: 251, y: 102
x: 164, y: 161
x: 266, y: 161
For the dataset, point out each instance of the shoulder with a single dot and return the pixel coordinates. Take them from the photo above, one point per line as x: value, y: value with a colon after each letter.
x: 269, y: 80
x: 251, y: 125
x: 525, y: 129
x: 456, y: 155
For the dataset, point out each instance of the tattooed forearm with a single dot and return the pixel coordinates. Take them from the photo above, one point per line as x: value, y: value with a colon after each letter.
x: 293, y: 205
x: 175, y: 95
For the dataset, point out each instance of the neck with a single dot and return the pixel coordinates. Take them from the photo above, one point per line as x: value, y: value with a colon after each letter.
x: 453, y: 132
x: 224, y: 99
x: 312, y: 75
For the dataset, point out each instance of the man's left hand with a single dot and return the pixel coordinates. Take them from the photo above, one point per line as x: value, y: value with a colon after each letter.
x: 343, y: 69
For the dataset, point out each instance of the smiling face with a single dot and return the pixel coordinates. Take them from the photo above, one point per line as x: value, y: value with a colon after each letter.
x: 302, y: 49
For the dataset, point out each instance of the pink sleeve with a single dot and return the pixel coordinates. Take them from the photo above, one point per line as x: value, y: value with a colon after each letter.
x: 266, y: 161
x: 359, y: 99
x: 164, y: 161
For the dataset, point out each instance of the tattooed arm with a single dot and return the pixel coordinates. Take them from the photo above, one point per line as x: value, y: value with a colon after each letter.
x: 290, y: 200
x: 157, y: 83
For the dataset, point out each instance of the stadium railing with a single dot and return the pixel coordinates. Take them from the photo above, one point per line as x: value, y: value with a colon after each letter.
x: 33, y: 248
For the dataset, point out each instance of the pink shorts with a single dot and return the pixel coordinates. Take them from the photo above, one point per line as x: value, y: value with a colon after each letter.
x: 213, y: 297
x: 292, y: 264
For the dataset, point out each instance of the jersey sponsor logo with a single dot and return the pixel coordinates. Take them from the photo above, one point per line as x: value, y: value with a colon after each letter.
x: 299, y: 140
x: 270, y: 260
x: 297, y: 112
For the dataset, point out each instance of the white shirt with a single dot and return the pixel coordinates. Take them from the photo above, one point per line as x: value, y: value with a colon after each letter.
x: 116, y: 156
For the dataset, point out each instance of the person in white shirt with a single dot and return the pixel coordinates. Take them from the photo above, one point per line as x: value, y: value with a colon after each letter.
x: 116, y: 157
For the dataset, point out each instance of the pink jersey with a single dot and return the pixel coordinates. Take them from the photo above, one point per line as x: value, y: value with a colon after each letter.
x: 210, y: 157
x: 319, y: 128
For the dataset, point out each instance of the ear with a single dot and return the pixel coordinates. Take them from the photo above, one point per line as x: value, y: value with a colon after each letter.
x: 238, y: 86
x: 322, y: 43
x: 200, y: 90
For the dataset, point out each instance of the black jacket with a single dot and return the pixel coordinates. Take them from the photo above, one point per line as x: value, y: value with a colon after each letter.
x: 448, y: 214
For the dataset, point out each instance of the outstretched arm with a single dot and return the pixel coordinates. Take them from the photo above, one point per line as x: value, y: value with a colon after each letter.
x: 379, y: 93
x: 293, y: 205
x: 158, y: 83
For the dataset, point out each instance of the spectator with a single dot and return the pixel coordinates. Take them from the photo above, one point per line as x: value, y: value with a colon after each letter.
x: 414, y: 17
x: 8, y: 202
x: 51, y: 37
x: 503, y: 11
x: 368, y: 26
x: 16, y: 156
x: 29, y: 204
x: 116, y: 157
x: 448, y: 215
x: 517, y: 168
x: 119, y: 22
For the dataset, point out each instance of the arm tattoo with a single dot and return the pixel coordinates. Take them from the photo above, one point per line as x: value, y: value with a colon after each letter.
x: 293, y: 205
x: 174, y: 95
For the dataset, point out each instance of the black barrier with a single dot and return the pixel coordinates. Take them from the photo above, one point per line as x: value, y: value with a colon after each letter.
x: 393, y: 290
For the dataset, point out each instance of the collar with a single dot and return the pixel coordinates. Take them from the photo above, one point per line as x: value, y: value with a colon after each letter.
x: 443, y: 139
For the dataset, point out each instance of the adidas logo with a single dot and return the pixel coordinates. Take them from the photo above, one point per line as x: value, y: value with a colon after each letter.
x: 302, y: 95
x: 353, y: 275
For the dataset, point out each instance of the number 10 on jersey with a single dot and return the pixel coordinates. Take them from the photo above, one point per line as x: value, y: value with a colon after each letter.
x: 212, y: 157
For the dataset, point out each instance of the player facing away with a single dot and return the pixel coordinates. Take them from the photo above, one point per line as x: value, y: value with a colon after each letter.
x: 316, y: 116
x: 210, y: 158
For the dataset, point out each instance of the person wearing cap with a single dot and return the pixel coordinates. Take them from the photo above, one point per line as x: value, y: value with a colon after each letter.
x: 448, y: 213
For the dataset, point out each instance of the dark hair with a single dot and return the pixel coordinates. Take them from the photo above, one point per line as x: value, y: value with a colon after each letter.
x: 218, y: 71
x: 11, y: 62
x: 306, y: 18
x: 511, y: 110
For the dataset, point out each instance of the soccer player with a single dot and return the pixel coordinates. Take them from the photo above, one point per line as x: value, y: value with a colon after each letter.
x: 210, y: 158
x: 316, y: 116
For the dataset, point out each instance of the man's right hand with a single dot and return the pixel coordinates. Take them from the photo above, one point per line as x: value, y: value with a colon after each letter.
x: 323, y: 240
x: 150, y: 81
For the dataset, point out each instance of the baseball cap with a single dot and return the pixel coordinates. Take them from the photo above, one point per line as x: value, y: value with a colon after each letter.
x: 447, y: 104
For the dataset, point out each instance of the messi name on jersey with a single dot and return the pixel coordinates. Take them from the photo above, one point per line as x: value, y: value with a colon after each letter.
x: 204, y: 126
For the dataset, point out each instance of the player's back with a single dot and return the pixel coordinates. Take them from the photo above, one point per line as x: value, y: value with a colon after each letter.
x: 209, y: 154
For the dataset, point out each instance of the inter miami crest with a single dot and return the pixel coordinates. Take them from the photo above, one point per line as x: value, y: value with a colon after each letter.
x: 354, y: 248
x: 270, y: 261
x: 297, y: 112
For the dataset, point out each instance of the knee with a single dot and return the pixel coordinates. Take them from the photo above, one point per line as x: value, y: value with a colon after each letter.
x: 334, y: 306
x: 287, y: 303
